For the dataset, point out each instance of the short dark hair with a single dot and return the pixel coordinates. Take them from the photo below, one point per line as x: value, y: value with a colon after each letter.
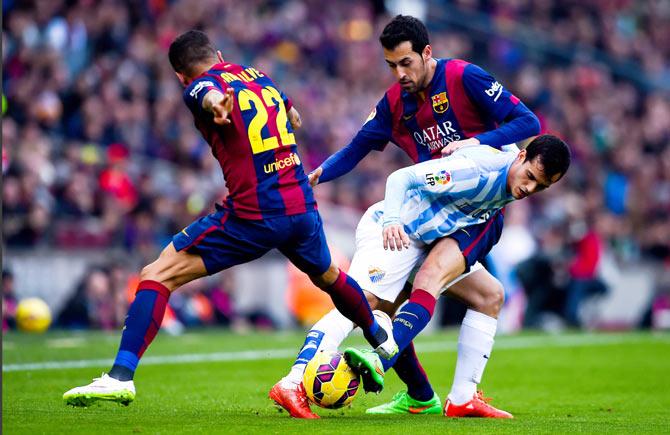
x: 553, y: 153
x: 188, y: 49
x: 405, y: 28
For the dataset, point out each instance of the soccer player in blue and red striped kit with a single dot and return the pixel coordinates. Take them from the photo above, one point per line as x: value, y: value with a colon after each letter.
x: 248, y: 122
x: 437, y: 106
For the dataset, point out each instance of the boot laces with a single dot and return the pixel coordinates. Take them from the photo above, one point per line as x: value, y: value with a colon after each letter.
x: 480, y: 395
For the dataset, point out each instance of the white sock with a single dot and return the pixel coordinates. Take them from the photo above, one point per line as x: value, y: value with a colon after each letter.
x: 335, y: 328
x: 475, y: 343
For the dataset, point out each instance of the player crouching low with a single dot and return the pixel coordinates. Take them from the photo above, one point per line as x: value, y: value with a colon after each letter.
x: 481, y: 181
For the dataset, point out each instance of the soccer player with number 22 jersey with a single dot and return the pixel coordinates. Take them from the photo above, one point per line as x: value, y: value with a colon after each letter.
x: 248, y: 122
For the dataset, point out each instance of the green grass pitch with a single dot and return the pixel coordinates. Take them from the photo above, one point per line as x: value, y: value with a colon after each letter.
x: 216, y: 382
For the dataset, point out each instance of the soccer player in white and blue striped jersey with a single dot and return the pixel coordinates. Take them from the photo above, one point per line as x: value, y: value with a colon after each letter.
x: 437, y: 200
x: 434, y: 199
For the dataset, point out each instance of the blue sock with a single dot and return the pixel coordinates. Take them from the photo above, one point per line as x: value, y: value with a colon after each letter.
x: 309, y: 347
x: 409, y: 371
x: 410, y: 321
x: 142, y: 324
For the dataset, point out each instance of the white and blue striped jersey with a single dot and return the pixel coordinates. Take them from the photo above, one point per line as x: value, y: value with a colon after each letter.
x: 435, y: 198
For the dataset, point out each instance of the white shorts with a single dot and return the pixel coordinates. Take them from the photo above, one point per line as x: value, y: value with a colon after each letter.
x: 384, y: 273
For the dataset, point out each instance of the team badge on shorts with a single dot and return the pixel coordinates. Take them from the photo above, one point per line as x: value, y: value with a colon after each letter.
x: 376, y: 274
x: 440, y: 102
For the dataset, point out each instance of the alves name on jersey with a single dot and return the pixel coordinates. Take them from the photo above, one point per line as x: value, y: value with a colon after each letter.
x: 257, y: 150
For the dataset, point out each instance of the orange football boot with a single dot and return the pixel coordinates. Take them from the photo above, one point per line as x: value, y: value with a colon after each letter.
x: 293, y: 400
x: 477, y: 407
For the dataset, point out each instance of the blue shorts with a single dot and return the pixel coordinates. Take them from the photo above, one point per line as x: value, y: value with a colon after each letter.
x: 476, y: 241
x: 224, y: 240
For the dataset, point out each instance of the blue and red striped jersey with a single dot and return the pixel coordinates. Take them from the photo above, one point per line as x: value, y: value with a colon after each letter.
x: 257, y: 150
x: 461, y: 101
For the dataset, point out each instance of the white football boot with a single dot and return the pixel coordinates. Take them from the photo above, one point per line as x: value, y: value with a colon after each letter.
x: 389, y: 348
x: 102, y: 388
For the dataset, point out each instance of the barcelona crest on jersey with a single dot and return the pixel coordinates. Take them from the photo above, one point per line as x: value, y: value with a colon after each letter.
x: 440, y: 102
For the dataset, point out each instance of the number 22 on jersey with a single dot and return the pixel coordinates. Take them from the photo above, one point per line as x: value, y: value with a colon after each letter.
x: 270, y: 97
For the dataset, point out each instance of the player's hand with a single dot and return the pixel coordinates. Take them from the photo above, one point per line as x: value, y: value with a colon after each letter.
x: 395, y: 237
x: 313, y: 176
x: 222, y: 108
x: 453, y: 146
x: 294, y: 118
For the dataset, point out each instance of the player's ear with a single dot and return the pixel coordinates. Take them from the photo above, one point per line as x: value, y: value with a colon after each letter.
x: 427, y: 52
x: 522, y: 155
x: 219, y: 55
x: 182, y: 79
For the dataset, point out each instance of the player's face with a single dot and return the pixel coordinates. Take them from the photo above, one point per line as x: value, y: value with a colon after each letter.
x: 408, y: 66
x: 527, y: 177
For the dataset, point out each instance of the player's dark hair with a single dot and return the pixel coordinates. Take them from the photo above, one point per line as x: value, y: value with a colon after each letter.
x: 405, y: 28
x: 188, y: 49
x: 553, y: 153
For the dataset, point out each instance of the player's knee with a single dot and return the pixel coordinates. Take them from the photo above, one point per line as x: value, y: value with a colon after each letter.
x: 162, y: 270
x: 443, y: 265
x: 372, y: 300
x: 497, y: 298
x: 153, y: 272
x: 379, y: 304
x: 431, y: 278
x: 493, y: 299
x: 327, y: 278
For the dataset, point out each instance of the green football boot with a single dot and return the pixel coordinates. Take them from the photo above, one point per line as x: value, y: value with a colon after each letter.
x: 368, y: 366
x: 402, y: 403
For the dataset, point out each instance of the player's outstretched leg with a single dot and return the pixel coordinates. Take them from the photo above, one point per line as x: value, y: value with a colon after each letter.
x: 350, y: 300
x: 407, y: 324
x: 419, y: 397
x: 142, y: 323
x: 145, y: 315
x: 326, y: 334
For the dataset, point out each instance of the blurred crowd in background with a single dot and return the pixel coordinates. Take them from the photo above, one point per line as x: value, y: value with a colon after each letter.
x: 100, y: 153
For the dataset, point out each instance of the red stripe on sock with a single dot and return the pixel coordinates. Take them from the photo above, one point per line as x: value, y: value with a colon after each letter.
x: 160, y: 304
x: 155, y: 286
x: 425, y: 299
x: 341, y: 278
x: 154, y: 326
x: 412, y: 354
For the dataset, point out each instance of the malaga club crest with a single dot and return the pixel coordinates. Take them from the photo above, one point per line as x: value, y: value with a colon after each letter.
x: 440, y: 102
x: 376, y: 274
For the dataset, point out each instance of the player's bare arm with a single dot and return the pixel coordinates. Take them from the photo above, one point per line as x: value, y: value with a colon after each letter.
x: 220, y: 105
